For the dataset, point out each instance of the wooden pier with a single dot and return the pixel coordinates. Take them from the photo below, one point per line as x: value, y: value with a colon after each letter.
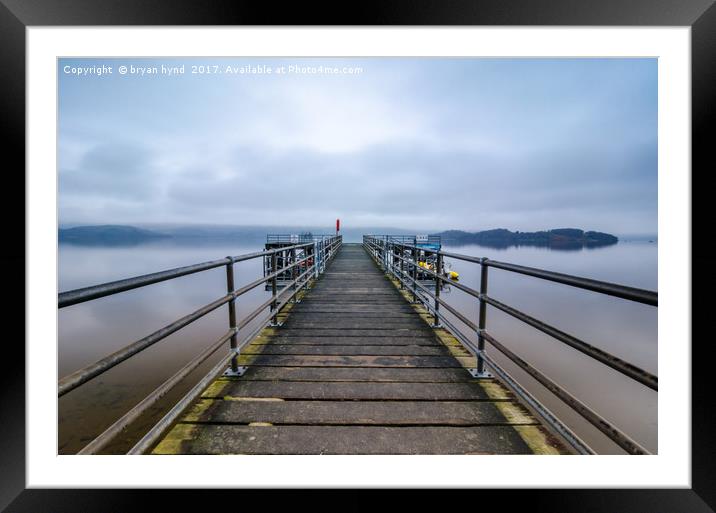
x: 356, y: 368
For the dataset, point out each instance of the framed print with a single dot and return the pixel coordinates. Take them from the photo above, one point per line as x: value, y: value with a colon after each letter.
x: 365, y: 177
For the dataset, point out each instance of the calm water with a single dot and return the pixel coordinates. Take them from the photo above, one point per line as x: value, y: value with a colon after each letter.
x: 92, y: 330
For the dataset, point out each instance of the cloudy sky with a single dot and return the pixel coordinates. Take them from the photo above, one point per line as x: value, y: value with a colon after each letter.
x: 429, y: 144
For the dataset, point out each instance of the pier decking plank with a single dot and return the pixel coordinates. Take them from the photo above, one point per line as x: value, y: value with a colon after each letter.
x: 353, y: 391
x: 356, y: 369
x: 350, y: 361
x: 351, y: 350
x: 371, y: 374
x: 322, y: 439
x: 399, y: 413
x: 345, y: 341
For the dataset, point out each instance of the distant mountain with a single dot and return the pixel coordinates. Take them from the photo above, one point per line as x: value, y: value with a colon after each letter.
x: 107, y: 235
x: 559, y: 238
x: 183, y: 234
x: 123, y: 235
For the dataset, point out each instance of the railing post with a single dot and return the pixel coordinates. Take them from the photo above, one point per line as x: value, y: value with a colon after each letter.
x: 438, y: 272
x: 378, y: 254
x: 274, y: 271
x: 402, y: 267
x: 391, y: 265
x: 392, y: 259
x: 295, y: 271
x: 235, y: 370
x: 480, y: 371
x: 415, y: 275
x: 316, y: 257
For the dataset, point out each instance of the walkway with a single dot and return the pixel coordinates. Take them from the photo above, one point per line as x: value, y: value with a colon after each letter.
x: 356, y: 369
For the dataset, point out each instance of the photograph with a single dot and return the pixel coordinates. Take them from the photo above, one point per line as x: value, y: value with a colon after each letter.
x: 274, y: 253
x: 384, y: 255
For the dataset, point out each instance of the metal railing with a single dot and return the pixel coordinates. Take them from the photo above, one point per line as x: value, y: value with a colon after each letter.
x: 297, y: 238
x: 297, y: 251
x: 316, y: 255
x: 401, y: 261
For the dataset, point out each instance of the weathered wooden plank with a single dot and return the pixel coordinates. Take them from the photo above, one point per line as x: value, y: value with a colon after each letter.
x: 349, y: 341
x: 349, y: 391
x: 232, y: 439
x: 349, y: 350
x: 364, y: 284
x: 350, y: 361
x: 354, y: 300
x: 372, y: 374
x: 350, y: 313
x: 313, y: 313
x: 305, y: 308
x: 338, y: 285
x: 357, y: 323
x: 354, y: 279
x: 342, y: 292
x: 396, y: 413
x: 381, y: 333
x: 335, y: 294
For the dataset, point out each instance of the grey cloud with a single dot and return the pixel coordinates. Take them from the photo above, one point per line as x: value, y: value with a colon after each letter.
x: 417, y: 143
x: 120, y: 170
x: 406, y: 180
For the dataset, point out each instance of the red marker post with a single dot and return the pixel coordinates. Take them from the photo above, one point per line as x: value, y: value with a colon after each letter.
x: 338, y: 225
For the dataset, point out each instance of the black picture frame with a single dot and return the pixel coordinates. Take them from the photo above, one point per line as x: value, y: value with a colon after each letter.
x: 17, y: 15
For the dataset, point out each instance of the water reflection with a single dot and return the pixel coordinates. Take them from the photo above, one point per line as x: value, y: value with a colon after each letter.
x: 567, y: 245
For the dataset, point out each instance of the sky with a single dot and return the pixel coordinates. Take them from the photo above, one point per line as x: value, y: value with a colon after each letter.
x: 417, y: 143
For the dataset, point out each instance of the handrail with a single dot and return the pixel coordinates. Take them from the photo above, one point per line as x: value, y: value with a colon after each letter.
x: 628, y: 369
x: 323, y: 250
x: 390, y: 254
x: 638, y: 295
x: 73, y: 297
x: 80, y: 376
x: 83, y: 375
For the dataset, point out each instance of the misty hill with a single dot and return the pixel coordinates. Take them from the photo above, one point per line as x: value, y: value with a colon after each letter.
x: 559, y: 238
x: 123, y: 235
x: 182, y: 234
x: 107, y: 235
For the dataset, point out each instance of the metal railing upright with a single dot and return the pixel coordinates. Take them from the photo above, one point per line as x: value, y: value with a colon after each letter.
x: 400, y: 260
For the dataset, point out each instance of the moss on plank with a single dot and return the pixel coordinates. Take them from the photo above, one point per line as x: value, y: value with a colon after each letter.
x: 176, y: 439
